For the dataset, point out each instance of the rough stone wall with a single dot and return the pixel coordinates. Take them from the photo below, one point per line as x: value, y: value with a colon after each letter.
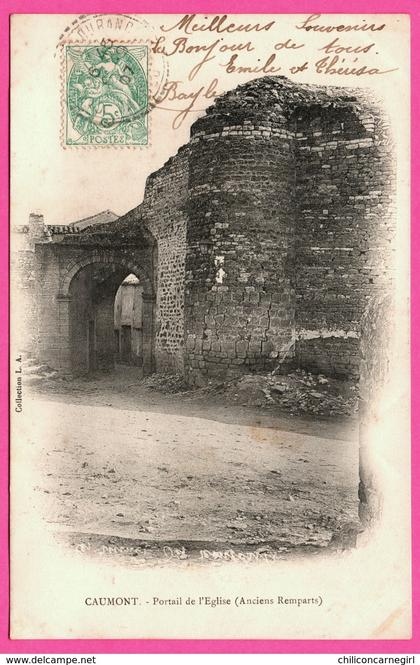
x: 163, y: 214
x: 239, y: 297
x: 23, y: 283
x: 263, y: 237
x: 344, y: 228
x: 290, y: 228
x: 24, y: 306
x: 53, y: 326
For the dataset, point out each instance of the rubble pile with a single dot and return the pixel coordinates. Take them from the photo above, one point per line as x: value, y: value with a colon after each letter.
x: 166, y: 383
x: 296, y: 393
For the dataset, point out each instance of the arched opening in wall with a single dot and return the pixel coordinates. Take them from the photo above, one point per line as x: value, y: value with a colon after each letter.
x: 111, y: 319
x: 128, y: 322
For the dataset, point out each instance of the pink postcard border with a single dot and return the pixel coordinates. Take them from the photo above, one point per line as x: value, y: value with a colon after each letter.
x: 135, y: 646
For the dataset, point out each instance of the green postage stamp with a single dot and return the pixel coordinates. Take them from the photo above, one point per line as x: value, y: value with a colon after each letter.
x: 106, y: 95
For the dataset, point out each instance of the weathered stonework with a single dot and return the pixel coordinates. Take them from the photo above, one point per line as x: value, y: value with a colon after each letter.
x: 293, y: 186
x: 261, y: 241
x: 162, y: 213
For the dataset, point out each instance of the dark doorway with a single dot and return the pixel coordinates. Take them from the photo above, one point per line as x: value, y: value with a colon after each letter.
x: 128, y: 321
x: 98, y: 338
x: 125, y: 354
x: 91, y: 346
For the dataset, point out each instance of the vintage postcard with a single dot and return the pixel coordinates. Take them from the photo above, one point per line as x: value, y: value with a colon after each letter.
x: 209, y: 337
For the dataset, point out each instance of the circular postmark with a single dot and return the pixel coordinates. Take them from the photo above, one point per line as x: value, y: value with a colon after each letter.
x: 110, y: 74
x: 107, y: 93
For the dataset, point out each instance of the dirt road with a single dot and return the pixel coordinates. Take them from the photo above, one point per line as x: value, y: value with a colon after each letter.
x: 117, y: 462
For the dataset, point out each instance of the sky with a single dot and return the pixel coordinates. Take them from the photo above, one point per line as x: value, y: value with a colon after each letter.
x: 69, y: 183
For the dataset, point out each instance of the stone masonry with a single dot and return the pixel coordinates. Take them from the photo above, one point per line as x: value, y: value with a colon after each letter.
x: 261, y: 242
x: 291, y: 192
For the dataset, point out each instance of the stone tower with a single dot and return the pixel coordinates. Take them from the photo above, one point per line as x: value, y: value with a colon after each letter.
x: 290, y: 228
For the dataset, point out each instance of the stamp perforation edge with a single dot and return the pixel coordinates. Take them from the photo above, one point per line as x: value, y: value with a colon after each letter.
x: 153, y: 79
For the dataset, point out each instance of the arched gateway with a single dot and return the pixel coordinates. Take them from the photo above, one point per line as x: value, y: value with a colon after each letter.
x: 76, y: 325
x: 262, y: 240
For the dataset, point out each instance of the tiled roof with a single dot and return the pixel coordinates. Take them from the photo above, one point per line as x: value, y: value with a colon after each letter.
x: 103, y: 217
x: 54, y: 229
x: 100, y: 218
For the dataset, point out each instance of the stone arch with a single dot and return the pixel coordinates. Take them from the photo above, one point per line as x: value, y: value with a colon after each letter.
x: 89, y: 307
x: 113, y: 260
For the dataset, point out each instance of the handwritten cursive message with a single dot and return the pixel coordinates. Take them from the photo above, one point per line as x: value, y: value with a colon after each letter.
x: 213, y: 50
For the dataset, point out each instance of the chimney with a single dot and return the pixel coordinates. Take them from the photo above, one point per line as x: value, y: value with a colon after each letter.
x: 36, y: 228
